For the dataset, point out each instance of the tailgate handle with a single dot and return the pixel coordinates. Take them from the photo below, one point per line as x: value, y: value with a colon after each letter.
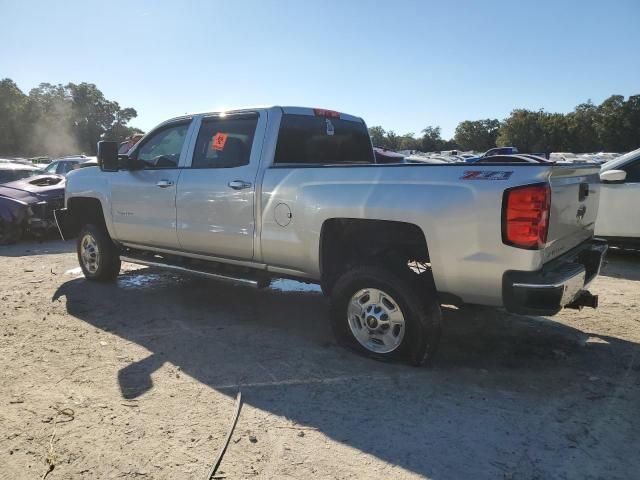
x: 583, y: 192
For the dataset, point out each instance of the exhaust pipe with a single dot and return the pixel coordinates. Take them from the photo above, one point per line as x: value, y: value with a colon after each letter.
x: 584, y: 299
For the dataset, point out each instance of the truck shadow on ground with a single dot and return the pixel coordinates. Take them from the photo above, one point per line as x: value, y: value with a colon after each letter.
x: 500, y: 383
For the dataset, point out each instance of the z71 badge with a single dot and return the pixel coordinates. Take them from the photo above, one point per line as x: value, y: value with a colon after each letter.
x: 486, y: 175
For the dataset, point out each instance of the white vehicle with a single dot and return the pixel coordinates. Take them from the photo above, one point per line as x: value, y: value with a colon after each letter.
x: 11, y: 171
x: 64, y: 165
x: 619, y: 216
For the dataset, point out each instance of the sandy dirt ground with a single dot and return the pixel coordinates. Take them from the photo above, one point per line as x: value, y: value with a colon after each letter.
x: 138, y: 379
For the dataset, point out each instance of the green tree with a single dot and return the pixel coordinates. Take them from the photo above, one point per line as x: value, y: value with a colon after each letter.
x: 555, y: 133
x: 13, y: 107
x: 581, y: 129
x: 378, y: 135
x: 431, y: 140
x: 392, y: 140
x: 611, y: 124
x: 59, y: 119
x: 523, y: 129
x: 478, y: 135
x: 408, y: 142
x: 632, y: 124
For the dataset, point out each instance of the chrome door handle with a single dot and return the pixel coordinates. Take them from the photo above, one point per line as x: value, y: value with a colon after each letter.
x: 239, y: 184
x: 164, y: 183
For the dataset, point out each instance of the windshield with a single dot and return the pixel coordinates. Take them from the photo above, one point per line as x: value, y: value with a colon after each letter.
x: 621, y: 160
x: 13, y: 175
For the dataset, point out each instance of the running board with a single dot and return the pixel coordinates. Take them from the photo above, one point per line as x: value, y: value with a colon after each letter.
x: 251, y: 281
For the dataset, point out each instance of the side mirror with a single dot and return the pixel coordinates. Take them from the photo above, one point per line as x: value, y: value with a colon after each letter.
x: 108, y: 156
x: 613, y: 176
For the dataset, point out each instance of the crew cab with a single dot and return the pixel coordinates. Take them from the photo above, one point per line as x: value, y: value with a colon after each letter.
x: 251, y: 194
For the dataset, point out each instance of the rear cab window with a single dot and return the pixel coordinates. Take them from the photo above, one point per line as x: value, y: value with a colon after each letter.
x: 322, y: 140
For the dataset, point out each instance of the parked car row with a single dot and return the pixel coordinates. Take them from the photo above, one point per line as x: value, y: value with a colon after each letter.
x: 618, y: 221
x: 11, y: 171
x: 29, y: 194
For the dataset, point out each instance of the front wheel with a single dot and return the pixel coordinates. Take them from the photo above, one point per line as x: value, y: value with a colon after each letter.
x: 386, y: 314
x: 99, y: 258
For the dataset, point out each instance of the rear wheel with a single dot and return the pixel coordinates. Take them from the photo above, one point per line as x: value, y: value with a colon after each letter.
x: 387, y: 314
x: 98, y: 256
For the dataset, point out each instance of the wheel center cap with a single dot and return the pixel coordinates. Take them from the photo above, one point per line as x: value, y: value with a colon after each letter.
x: 372, y: 322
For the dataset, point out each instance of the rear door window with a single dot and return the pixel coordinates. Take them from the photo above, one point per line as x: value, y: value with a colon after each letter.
x: 306, y: 139
x: 225, y: 142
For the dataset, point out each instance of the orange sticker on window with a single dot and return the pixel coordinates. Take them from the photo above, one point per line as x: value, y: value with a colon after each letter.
x: 219, y: 140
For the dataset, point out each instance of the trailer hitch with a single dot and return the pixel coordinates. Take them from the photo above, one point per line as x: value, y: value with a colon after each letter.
x: 584, y: 299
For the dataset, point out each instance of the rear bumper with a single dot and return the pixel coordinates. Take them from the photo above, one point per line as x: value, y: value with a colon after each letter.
x: 560, y: 283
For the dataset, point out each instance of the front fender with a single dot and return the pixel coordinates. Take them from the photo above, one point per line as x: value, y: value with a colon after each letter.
x: 89, y: 182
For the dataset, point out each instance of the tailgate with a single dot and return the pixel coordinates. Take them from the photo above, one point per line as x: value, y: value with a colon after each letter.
x: 575, y: 193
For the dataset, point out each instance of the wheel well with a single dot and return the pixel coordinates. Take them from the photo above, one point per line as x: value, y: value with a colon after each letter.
x: 345, y: 242
x: 83, y: 211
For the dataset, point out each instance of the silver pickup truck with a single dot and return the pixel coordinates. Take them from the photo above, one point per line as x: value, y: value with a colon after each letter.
x: 251, y: 194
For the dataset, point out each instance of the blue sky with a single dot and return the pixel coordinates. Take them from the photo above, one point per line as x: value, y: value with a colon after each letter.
x: 400, y: 64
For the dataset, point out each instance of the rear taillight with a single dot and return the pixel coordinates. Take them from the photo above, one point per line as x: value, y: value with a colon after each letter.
x: 525, y: 216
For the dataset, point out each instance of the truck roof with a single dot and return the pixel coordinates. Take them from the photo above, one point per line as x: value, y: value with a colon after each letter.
x: 295, y: 110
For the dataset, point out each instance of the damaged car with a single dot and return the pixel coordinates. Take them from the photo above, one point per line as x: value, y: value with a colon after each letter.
x: 27, y: 206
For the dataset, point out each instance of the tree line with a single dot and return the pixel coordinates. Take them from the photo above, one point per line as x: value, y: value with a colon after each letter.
x: 67, y: 119
x: 612, y: 126
x: 54, y: 120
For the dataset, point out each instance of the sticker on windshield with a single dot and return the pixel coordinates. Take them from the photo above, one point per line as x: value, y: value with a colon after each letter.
x: 486, y: 175
x: 219, y: 140
x: 330, y: 128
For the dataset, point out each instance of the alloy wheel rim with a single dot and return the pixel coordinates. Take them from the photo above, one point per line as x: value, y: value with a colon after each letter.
x: 376, y: 320
x: 89, y: 253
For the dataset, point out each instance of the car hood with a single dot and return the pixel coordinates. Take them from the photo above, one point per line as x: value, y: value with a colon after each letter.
x: 34, y: 189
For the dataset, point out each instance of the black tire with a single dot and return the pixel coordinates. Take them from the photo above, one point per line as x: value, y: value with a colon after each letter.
x: 416, y: 298
x: 107, y: 264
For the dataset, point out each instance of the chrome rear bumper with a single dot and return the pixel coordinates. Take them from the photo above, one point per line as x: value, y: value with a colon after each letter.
x: 560, y: 283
